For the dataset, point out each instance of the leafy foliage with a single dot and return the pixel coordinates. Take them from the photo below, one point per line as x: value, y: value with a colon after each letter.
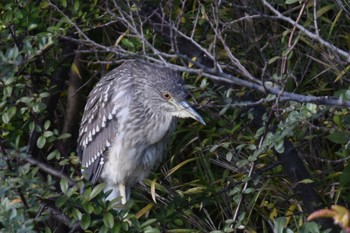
x: 251, y: 73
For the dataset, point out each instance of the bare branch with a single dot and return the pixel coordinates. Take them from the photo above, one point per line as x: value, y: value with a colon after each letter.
x: 291, y: 45
x: 315, y: 17
x: 313, y: 36
x: 58, y: 215
x: 135, y: 28
x: 233, y: 59
x: 267, y: 88
x: 48, y: 169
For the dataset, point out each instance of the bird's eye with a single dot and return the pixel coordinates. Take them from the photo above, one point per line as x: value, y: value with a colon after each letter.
x: 166, y: 95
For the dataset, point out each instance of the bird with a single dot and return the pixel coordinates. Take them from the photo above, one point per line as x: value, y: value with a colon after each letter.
x: 127, y: 121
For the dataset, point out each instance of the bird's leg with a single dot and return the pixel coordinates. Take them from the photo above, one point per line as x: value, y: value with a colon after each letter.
x: 122, y: 192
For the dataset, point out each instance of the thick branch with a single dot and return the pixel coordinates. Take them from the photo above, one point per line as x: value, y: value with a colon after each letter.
x: 266, y: 88
x: 321, y: 100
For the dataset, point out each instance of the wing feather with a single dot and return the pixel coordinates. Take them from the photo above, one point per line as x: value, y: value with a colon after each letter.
x: 99, y: 125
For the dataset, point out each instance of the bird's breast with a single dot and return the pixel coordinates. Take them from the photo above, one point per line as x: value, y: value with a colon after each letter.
x: 159, y: 128
x: 137, y: 149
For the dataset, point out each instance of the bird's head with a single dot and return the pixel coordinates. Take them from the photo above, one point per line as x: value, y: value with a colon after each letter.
x: 178, y: 106
x: 164, y: 92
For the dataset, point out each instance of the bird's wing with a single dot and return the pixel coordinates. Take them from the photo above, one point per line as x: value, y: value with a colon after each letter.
x: 99, y: 126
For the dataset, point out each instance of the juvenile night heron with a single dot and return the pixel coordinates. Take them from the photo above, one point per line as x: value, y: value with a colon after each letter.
x: 127, y: 121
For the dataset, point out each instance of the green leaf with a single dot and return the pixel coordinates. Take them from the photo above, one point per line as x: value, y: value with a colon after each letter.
x: 26, y: 100
x: 279, y: 225
x: 44, y: 4
x: 60, y: 201
x: 64, y: 136
x: 213, y: 148
x: 44, y: 94
x: 272, y: 60
x: 108, y: 220
x: 36, y: 107
x: 85, y: 221
x: 53, y: 154
x: 98, y: 210
x: 309, y: 227
x: 7, y: 91
x: 345, y: 176
x: 76, y: 5
x: 116, y: 228
x: 88, y: 207
x: 47, y: 124
x: 48, y: 134
x: 64, y: 185
x: 292, y: 1
x: 76, y: 214
x: 48, y: 230
x: 18, y: 14
x: 128, y: 43
x: 24, y: 169
x: 229, y: 156
x: 249, y: 190
x: 103, y: 229
x: 150, y: 229
x: 338, y: 137
x: 242, y: 162
x: 32, y: 26
x: 306, y: 181
x: 279, y: 147
x: 5, y: 117
x: 41, y: 142
x: 12, y: 111
x: 96, y: 190
x: 148, y: 222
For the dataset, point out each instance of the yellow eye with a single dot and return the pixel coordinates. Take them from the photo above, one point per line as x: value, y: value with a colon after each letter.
x: 166, y: 95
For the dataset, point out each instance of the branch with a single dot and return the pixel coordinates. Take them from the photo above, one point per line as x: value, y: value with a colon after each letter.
x: 291, y: 45
x: 321, y: 100
x: 159, y: 24
x: 265, y: 88
x: 314, y: 36
x: 48, y: 169
x: 58, y: 215
x: 234, y: 60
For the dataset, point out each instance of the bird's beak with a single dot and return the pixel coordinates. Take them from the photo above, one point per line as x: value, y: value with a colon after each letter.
x: 187, y: 111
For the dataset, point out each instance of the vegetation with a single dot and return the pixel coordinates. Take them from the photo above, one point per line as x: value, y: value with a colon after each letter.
x: 270, y: 78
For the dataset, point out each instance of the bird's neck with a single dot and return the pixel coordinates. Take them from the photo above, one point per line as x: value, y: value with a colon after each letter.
x: 159, y: 127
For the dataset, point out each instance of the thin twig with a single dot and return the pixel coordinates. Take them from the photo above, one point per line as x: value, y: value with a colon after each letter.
x: 332, y: 47
x: 315, y: 17
x: 291, y: 45
x: 216, y: 74
x: 252, y: 168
